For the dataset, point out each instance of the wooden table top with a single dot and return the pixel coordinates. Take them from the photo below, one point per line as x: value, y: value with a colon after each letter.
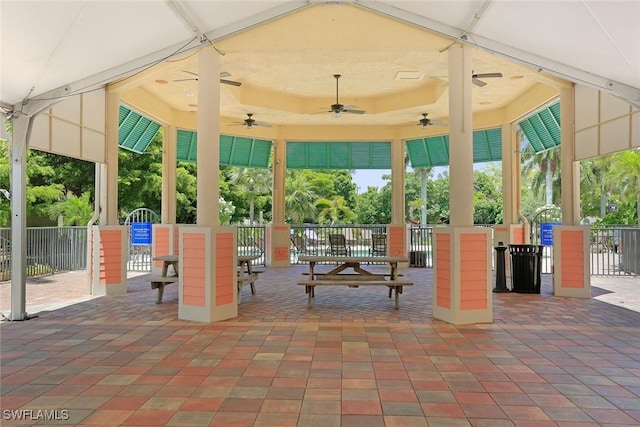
x: 344, y: 259
x: 166, y: 258
x: 247, y: 258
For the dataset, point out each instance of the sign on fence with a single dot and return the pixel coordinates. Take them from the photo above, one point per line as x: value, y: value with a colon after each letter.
x: 546, y: 233
x: 140, y: 233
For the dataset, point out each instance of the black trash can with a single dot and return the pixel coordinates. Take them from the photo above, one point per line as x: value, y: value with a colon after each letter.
x: 526, y: 266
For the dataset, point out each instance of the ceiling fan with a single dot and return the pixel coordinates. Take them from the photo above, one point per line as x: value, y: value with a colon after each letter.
x: 250, y: 122
x: 338, y: 108
x: 222, y: 78
x: 425, y: 121
x: 475, y: 78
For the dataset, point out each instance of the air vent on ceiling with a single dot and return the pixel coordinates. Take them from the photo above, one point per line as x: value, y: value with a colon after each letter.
x: 409, y: 75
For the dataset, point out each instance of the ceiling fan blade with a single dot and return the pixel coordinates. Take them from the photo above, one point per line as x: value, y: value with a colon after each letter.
x: 486, y: 75
x: 353, y: 111
x: 478, y: 83
x: 186, y: 80
x: 437, y: 123
x: 230, y: 82
x: 262, y: 124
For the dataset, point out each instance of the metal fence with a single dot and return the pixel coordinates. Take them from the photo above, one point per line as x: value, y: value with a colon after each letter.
x: 615, y: 250
x: 421, y: 245
x: 251, y: 241
x: 312, y: 239
x: 49, y: 250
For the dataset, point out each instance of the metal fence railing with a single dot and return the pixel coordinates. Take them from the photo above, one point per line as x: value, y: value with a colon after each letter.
x: 312, y: 239
x: 49, y: 250
x: 252, y: 241
x: 615, y: 250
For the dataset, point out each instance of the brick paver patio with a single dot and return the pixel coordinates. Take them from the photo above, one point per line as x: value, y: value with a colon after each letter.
x: 351, y: 360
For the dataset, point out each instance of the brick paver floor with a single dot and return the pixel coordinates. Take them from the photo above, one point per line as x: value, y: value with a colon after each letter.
x: 351, y: 360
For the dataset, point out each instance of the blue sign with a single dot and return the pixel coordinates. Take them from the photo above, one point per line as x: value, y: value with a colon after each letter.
x: 140, y: 233
x: 546, y: 233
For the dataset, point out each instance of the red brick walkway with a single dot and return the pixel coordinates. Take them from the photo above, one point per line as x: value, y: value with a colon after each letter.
x: 351, y: 360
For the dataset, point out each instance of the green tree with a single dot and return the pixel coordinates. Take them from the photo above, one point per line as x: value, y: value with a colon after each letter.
x: 543, y: 172
x: 626, y: 173
x: 487, y: 197
x: 424, y: 173
x: 299, y: 199
x: 252, y: 182
x: 368, y: 208
x: 335, y: 211
x: 73, y: 210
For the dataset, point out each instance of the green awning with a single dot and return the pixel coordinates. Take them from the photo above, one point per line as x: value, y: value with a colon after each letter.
x: 338, y: 155
x: 234, y: 150
x: 135, y: 131
x: 542, y: 128
x: 434, y: 150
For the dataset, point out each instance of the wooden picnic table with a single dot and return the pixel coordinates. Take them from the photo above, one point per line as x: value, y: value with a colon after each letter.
x: 359, y: 277
x: 159, y: 282
x: 246, y: 273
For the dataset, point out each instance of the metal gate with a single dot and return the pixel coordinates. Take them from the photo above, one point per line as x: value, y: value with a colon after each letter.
x: 138, y: 225
x: 541, y: 232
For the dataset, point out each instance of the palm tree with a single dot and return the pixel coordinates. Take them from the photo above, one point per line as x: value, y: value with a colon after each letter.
x: 334, y: 210
x: 592, y: 177
x: 252, y: 182
x: 299, y: 198
x: 626, y: 175
x: 74, y: 210
x: 424, y: 173
x: 544, y: 168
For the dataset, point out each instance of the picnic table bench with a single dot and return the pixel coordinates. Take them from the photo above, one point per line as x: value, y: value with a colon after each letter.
x: 360, y: 276
x: 159, y: 282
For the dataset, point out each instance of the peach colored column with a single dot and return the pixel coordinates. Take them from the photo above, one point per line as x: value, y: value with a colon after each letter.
x: 109, y: 260
x: 207, y: 284
x: 280, y: 245
x: 162, y: 238
x: 571, y: 257
x: 461, y: 275
x: 109, y: 240
x: 169, y: 163
x: 208, y: 138
x: 460, y: 137
x: 462, y: 253
x: 397, y: 182
x: 396, y: 244
x: 278, y: 186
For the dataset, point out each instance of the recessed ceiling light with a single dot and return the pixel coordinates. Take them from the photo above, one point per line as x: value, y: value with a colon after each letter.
x: 189, y: 94
x: 409, y: 75
x: 516, y: 77
x: 162, y: 82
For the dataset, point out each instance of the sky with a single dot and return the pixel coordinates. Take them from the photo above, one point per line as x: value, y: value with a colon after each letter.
x: 365, y: 178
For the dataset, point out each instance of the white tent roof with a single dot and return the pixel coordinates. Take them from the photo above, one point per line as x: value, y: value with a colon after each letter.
x: 52, y: 44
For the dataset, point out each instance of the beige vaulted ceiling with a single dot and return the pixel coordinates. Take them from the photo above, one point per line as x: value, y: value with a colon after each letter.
x: 285, y: 53
x: 393, y: 70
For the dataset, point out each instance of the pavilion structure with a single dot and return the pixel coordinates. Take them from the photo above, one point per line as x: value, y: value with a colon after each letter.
x: 591, y: 122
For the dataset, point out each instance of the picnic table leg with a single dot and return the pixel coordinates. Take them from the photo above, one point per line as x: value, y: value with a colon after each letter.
x: 160, y: 292
x: 310, y: 292
x: 397, y: 297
